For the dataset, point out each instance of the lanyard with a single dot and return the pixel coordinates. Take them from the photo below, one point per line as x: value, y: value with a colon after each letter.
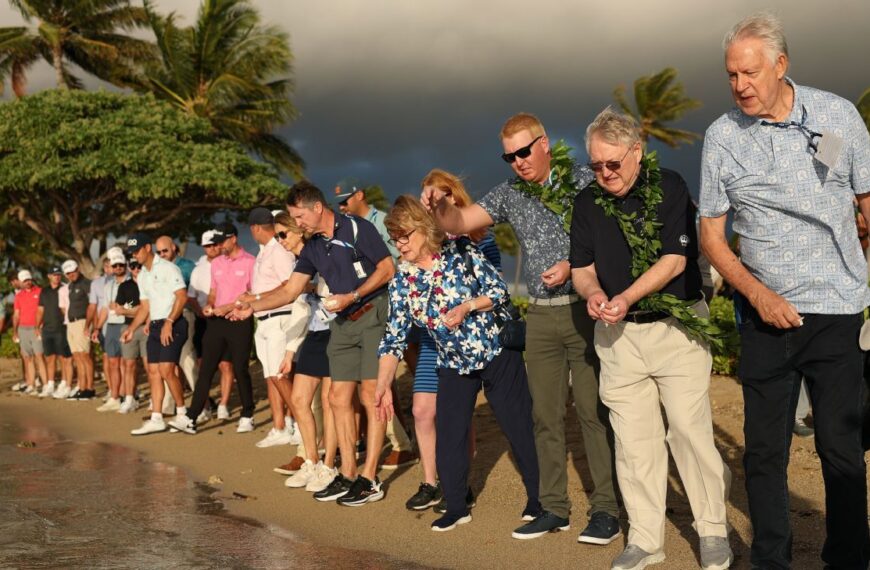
x: 802, y: 127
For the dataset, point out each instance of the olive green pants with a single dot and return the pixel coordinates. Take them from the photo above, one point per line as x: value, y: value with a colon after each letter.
x: 560, y: 340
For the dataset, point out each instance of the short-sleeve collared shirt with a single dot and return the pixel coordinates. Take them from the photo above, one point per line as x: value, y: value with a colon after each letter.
x: 200, y: 281
x: 376, y: 217
x: 273, y: 267
x: 158, y: 286
x: 795, y: 216
x: 187, y: 267
x: 27, y: 303
x: 95, y: 294
x: 539, y: 230
x: 231, y: 276
x: 110, y: 295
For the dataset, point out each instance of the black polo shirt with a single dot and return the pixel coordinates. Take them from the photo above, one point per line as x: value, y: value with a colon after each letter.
x: 52, y: 316
x: 78, y: 299
x: 596, y: 238
x: 334, y: 258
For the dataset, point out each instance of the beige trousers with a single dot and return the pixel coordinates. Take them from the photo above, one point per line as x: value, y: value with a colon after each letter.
x: 644, y: 367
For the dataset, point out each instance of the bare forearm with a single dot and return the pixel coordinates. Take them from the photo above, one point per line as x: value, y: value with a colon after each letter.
x: 178, y: 305
x: 655, y: 278
x: 585, y: 281
x: 387, y: 366
x: 288, y: 293
x: 381, y: 276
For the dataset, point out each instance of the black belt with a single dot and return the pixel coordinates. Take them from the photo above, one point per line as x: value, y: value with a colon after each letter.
x: 276, y: 314
x: 643, y: 317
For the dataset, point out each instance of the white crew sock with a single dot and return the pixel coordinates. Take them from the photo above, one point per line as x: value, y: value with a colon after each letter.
x: 128, y: 399
x: 157, y: 417
x: 180, y: 411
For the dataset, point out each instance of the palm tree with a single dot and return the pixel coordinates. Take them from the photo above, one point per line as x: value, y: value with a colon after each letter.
x: 81, y: 32
x: 230, y: 69
x: 864, y: 107
x: 659, y: 99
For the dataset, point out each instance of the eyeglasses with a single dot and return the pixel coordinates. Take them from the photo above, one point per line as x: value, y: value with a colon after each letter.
x: 612, y: 165
x: 162, y: 251
x: 116, y: 265
x: 523, y: 152
x: 402, y: 239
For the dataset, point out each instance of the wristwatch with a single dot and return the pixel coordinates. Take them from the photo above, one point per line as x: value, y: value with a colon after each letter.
x: 355, y: 296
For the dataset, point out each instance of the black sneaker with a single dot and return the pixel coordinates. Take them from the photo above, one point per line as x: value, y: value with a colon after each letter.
x: 361, y: 492
x: 338, y: 488
x: 449, y: 522
x: 546, y: 522
x: 426, y: 496
x: 84, y: 395
x: 532, y: 511
x: 603, y: 528
x: 441, y: 507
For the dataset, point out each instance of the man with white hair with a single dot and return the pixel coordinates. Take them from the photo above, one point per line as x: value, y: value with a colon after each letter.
x: 634, y: 258
x: 789, y: 160
x: 25, y: 332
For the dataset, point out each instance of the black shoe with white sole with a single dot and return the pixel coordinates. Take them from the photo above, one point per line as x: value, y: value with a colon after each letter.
x: 546, y: 522
x: 361, y: 492
x: 426, y: 496
x: 449, y: 522
x: 603, y: 528
x: 338, y: 488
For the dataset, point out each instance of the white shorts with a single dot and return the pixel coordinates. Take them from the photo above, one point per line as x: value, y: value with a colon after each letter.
x: 271, y: 342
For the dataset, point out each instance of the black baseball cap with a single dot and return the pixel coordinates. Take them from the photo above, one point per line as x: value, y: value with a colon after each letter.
x: 260, y: 217
x: 347, y: 188
x: 136, y: 242
x: 55, y: 270
x: 224, y: 231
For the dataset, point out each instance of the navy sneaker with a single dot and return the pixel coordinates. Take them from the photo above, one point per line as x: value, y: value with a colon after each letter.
x: 532, y: 511
x: 546, y: 522
x: 441, y: 507
x: 603, y: 528
x: 449, y: 522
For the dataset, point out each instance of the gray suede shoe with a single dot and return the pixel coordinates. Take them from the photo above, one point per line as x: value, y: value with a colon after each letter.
x: 635, y: 558
x: 715, y: 553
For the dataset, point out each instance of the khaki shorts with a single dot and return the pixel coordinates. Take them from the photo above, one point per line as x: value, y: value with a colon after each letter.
x: 30, y: 344
x: 77, y: 337
x: 353, y: 345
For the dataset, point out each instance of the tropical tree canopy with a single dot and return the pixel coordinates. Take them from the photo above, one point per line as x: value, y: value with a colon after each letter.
x: 86, y: 33
x: 660, y: 99
x: 80, y: 166
x: 231, y: 70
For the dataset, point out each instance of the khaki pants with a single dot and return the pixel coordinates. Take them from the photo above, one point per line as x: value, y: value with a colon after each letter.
x: 559, y: 340
x: 644, y: 367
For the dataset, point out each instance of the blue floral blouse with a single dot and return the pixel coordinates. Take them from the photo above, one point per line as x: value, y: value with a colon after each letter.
x: 422, y: 297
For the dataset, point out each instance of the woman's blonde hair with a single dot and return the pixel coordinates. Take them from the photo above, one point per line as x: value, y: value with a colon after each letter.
x: 409, y: 214
x: 288, y: 222
x: 451, y: 184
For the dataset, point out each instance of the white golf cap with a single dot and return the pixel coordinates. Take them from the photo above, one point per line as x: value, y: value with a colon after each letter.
x: 69, y: 266
x: 24, y: 275
x: 208, y: 237
x: 116, y: 256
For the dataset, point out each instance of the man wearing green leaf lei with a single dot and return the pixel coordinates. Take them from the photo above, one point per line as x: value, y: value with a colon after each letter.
x: 634, y: 259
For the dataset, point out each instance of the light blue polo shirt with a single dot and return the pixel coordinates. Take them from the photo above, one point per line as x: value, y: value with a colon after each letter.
x: 158, y: 286
x: 794, y: 215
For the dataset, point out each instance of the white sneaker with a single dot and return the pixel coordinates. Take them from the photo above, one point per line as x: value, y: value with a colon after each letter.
x: 223, y: 412
x: 204, y: 416
x: 275, y: 437
x: 323, y: 476
x: 150, y: 426
x: 19, y: 387
x: 245, y: 425
x: 302, y: 477
x: 183, y: 423
x: 47, y: 390
x: 61, y: 392
x: 128, y: 406
x: 111, y: 405
x: 29, y: 391
x: 293, y: 429
x: 73, y: 393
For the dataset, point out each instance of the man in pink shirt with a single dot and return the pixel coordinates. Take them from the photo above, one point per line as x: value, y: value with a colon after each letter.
x: 231, y: 276
x: 25, y: 333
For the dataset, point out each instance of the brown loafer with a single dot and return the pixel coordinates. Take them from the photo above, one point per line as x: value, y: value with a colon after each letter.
x: 290, y: 468
x: 398, y: 459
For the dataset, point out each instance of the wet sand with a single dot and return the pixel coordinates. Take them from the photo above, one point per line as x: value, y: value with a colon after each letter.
x: 387, y: 527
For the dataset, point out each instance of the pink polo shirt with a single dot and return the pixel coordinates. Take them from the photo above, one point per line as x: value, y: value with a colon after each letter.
x: 230, y: 277
x: 273, y: 266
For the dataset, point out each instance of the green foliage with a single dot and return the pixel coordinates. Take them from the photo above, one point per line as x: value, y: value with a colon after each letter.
x: 522, y: 304
x: 84, y: 33
x: 864, y: 107
x: 660, y: 99
x: 506, y: 239
x: 77, y: 167
x: 377, y: 198
x: 229, y: 69
x: 726, y: 358
x: 558, y: 197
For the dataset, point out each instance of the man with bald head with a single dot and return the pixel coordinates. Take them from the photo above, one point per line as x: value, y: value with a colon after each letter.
x: 789, y: 160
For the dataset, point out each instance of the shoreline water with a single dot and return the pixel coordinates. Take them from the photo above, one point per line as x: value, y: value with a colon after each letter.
x: 387, y: 527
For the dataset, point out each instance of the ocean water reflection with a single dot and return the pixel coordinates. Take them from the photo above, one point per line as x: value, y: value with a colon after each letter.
x: 93, y: 505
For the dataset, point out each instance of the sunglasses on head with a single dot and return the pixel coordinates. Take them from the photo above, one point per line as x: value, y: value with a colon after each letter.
x: 523, y: 152
x: 612, y: 165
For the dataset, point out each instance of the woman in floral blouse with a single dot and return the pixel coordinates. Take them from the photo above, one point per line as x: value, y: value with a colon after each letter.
x: 449, y: 289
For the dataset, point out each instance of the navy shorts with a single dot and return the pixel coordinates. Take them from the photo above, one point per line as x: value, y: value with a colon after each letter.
x: 172, y: 353
x: 312, y: 359
x: 54, y: 343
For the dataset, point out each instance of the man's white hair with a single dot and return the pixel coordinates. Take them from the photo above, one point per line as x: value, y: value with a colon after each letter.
x: 764, y: 26
x: 613, y: 128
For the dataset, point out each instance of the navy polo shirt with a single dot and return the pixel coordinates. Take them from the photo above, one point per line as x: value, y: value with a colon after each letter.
x: 334, y: 258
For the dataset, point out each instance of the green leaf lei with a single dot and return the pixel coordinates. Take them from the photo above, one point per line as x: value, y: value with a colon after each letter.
x: 558, y: 197
x: 646, y: 246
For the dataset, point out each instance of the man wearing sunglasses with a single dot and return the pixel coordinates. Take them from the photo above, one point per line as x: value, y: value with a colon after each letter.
x: 559, y: 332
x: 114, y: 326
x: 788, y: 161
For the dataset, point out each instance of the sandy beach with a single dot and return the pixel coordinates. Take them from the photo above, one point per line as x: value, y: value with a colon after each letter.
x: 387, y: 527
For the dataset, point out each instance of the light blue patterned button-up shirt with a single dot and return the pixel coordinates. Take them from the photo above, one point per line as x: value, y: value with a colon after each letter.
x: 795, y: 216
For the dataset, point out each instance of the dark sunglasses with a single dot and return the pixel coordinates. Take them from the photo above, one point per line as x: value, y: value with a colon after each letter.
x: 523, y: 152
x: 162, y: 251
x: 612, y: 165
x: 281, y: 235
x: 119, y: 265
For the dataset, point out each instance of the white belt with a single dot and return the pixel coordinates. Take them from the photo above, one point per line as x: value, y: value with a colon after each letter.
x: 559, y: 301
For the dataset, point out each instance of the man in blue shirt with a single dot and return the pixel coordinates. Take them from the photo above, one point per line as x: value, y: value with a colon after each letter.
x: 789, y: 161
x: 354, y: 262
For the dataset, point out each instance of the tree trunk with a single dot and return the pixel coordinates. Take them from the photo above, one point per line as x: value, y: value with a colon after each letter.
x: 57, y: 61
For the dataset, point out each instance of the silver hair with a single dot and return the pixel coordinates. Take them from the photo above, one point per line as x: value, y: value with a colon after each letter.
x: 764, y: 26
x: 614, y: 128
